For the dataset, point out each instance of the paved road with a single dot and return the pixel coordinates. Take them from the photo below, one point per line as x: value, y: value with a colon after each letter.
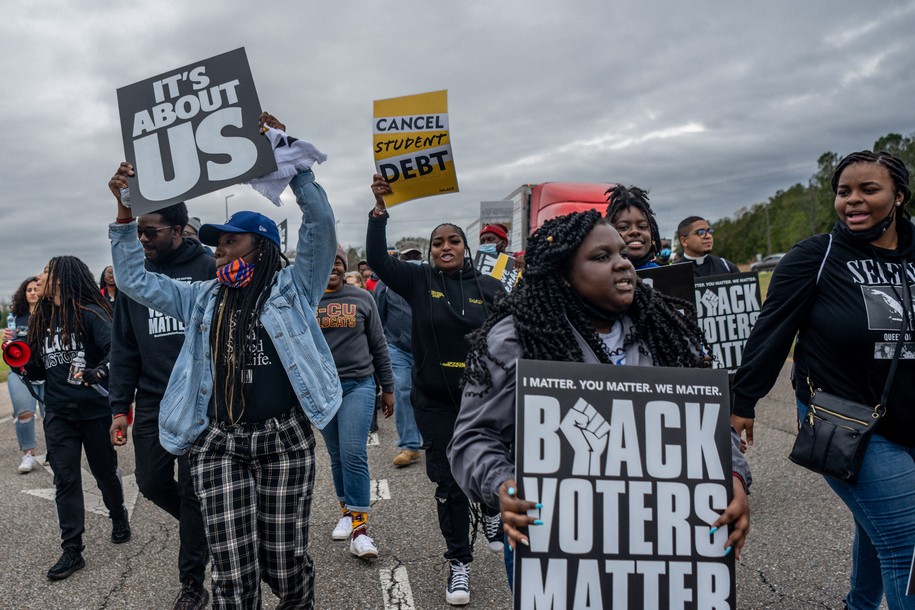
x: 789, y: 562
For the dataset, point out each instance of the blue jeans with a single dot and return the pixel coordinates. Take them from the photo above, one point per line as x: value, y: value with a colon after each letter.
x: 882, y: 502
x: 24, y: 402
x: 408, y: 436
x: 346, y: 436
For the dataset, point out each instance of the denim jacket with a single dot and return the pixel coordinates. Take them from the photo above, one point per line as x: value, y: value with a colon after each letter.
x: 288, y: 317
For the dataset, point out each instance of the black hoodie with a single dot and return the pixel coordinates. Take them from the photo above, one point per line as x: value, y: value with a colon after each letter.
x: 144, y: 342
x: 446, y: 307
x: 847, y: 317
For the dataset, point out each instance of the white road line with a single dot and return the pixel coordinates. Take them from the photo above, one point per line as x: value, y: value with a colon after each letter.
x: 380, y: 490
x: 3, y: 420
x: 395, y: 586
x: 373, y: 440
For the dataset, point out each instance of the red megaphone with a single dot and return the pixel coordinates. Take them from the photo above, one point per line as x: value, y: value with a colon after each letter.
x: 16, y: 354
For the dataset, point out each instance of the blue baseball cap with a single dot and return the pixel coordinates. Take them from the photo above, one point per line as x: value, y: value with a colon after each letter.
x: 241, y: 222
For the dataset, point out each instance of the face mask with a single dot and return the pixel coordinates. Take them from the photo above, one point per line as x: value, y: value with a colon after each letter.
x: 236, y: 274
x: 488, y: 248
x: 872, y: 234
x: 415, y: 262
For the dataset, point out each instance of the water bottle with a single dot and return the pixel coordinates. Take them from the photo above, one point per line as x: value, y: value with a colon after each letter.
x: 11, y: 321
x: 125, y: 197
x: 77, y: 365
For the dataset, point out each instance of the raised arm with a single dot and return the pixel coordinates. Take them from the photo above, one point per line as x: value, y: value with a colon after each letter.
x: 400, y: 276
x: 317, y: 245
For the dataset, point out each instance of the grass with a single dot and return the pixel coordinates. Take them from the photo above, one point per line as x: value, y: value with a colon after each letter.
x: 764, y: 278
x: 4, y: 371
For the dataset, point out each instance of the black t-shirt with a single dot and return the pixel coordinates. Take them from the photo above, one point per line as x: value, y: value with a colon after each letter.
x: 266, y: 388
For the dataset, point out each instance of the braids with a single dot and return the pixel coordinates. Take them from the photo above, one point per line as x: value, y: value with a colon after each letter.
x: 894, y: 165
x: 71, y: 283
x: 544, y: 306
x: 20, y: 304
x: 622, y: 198
x: 233, y: 330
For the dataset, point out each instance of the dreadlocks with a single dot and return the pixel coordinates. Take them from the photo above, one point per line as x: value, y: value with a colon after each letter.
x: 622, y: 199
x: 894, y: 165
x: 69, y: 282
x: 20, y: 304
x: 233, y: 330
x: 543, y: 306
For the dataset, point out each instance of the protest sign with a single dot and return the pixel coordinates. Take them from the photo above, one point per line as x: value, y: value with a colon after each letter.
x: 499, y: 266
x: 412, y: 146
x: 631, y: 466
x: 672, y: 280
x: 192, y: 131
x: 727, y: 306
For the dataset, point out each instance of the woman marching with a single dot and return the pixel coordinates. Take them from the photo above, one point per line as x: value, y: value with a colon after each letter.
x: 842, y: 296
x: 253, y: 370
x: 70, y: 336
x: 350, y: 323
x: 631, y: 215
x: 23, y: 305
x: 579, y: 301
x: 448, y: 299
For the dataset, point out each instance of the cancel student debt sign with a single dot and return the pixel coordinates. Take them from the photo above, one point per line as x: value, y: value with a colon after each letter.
x: 192, y: 131
x: 412, y: 145
x: 632, y: 465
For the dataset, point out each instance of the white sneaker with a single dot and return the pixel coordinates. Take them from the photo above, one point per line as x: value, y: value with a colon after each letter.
x: 27, y: 464
x: 344, y: 529
x: 458, y: 591
x: 363, y: 547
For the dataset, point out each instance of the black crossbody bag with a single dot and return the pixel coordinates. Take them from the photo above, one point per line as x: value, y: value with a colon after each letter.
x: 833, y: 437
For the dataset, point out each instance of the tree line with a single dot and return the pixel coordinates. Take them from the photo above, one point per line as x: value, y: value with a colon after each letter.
x: 798, y: 212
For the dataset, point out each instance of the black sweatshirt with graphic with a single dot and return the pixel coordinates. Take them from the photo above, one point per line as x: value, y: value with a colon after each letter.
x: 847, y: 322
x: 446, y: 307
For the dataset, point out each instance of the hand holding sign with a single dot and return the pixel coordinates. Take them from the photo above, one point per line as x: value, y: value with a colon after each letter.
x: 514, y: 513
x: 587, y: 432
x: 380, y: 189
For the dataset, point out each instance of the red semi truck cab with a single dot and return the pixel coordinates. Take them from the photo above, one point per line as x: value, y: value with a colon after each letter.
x: 534, y: 204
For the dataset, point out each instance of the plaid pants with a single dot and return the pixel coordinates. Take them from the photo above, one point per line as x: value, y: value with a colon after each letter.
x: 255, y: 483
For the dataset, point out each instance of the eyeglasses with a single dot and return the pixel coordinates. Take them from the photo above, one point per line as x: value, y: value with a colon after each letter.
x: 702, y: 232
x: 149, y: 232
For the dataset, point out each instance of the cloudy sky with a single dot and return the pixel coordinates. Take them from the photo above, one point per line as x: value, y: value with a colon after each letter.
x: 712, y: 105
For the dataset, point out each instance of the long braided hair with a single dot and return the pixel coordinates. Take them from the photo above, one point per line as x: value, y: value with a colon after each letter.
x: 543, y: 306
x: 894, y: 165
x: 233, y: 331
x: 69, y: 279
x: 621, y: 199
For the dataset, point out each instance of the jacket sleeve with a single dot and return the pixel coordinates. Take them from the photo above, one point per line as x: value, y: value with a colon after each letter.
x: 400, y: 276
x: 791, y: 295
x: 160, y: 292
x: 381, y: 358
x: 481, y: 449
x: 317, y: 244
x: 124, y: 367
x: 98, y: 328
x: 739, y: 465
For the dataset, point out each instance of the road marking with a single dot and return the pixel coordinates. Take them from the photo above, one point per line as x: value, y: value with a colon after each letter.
x: 91, y: 494
x: 380, y: 490
x: 3, y: 420
x: 395, y: 586
x: 373, y: 440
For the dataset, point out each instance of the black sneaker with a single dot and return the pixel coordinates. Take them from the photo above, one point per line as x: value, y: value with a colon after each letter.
x: 193, y: 596
x: 458, y: 591
x: 71, y: 561
x: 492, y: 529
x: 120, y: 529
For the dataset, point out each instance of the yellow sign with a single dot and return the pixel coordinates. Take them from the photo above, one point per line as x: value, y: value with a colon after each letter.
x: 412, y: 146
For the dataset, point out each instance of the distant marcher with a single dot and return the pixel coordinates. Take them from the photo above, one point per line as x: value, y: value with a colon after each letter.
x: 835, y: 298
x: 144, y: 347
x: 354, y: 278
x: 23, y: 305
x: 631, y: 215
x: 663, y: 257
x: 494, y: 238
x: 73, y: 321
x: 449, y: 298
x: 396, y: 317
x: 697, y: 240
x: 349, y: 320
x: 108, y: 286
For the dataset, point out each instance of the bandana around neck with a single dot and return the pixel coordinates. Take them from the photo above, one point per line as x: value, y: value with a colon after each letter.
x: 236, y: 274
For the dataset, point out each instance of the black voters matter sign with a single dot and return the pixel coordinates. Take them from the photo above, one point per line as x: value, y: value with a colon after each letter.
x: 192, y: 131
x: 727, y: 307
x: 632, y: 466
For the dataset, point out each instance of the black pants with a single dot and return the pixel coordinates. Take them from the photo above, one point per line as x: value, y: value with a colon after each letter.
x: 66, y: 439
x: 156, y: 480
x: 436, y: 425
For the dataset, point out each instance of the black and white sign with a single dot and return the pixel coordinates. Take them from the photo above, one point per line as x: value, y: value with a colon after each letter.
x: 672, y: 280
x: 631, y: 465
x: 500, y: 266
x: 728, y: 306
x: 192, y: 131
